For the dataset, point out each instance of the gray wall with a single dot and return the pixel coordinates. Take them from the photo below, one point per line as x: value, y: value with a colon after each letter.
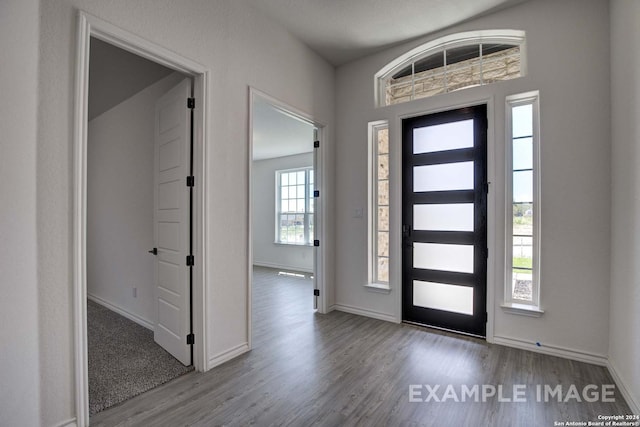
x: 562, y: 37
x: 19, y: 364
x: 242, y: 48
x: 624, y: 335
x: 120, y: 203
x: 265, y: 251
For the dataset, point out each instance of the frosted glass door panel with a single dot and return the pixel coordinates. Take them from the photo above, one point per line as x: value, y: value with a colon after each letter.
x: 443, y: 177
x: 440, y: 296
x: 450, y: 217
x: 444, y: 257
x: 448, y: 136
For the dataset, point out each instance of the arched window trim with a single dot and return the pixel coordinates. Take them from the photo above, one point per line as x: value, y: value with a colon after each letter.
x: 515, y: 37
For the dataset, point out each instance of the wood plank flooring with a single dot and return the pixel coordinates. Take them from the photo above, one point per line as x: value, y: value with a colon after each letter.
x: 345, y: 370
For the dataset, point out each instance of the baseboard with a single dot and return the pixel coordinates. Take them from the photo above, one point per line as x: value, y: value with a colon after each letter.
x: 364, y: 312
x: 227, y: 355
x: 121, y: 311
x: 628, y: 397
x: 282, y: 267
x: 68, y: 423
x: 565, y: 353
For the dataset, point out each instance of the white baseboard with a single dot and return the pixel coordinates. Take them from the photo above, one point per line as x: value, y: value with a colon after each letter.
x: 68, y: 423
x: 121, y: 311
x: 282, y: 267
x: 364, y: 312
x: 631, y: 400
x: 566, y: 353
x: 227, y: 355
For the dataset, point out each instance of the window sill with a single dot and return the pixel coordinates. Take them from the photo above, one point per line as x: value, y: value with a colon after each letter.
x: 381, y: 288
x: 293, y: 244
x: 522, y: 309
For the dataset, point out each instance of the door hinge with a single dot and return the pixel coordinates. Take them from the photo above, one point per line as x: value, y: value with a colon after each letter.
x: 191, y: 339
x: 316, y: 243
x: 316, y: 193
x: 486, y: 317
x: 190, y: 260
x: 191, y: 181
x: 191, y: 103
x: 316, y: 292
x: 316, y: 144
x: 486, y: 188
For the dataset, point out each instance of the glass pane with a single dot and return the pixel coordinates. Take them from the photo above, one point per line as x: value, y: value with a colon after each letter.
x: 445, y: 257
x: 311, y: 176
x: 383, y: 140
x: 447, y: 136
x: 433, y: 62
x: 463, y: 74
x: 464, y: 53
x: 440, y: 296
x: 523, y: 153
x: 523, y: 219
x: 383, y: 218
x: 451, y: 217
x: 300, y: 192
x: 523, y: 186
x: 311, y: 227
x: 383, y: 269
x: 523, y: 253
x: 383, y: 193
x: 445, y: 177
x: 284, y: 193
x: 522, y: 117
x: 285, y: 206
x: 292, y: 206
x: 383, y: 243
x: 292, y: 178
x: 284, y: 179
x: 300, y: 207
x: 300, y: 177
x: 383, y: 167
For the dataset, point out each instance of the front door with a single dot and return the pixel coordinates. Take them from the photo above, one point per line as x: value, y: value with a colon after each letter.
x: 444, y: 214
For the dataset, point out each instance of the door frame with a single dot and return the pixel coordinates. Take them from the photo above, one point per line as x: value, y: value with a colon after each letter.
x: 321, y: 204
x: 90, y: 26
x: 493, y: 210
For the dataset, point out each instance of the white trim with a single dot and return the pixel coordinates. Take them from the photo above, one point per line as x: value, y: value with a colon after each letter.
x: 71, y: 422
x: 91, y: 26
x: 633, y: 403
x: 382, y: 288
x: 522, y: 309
x: 281, y: 266
x: 225, y: 356
x: 372, y: 204
x: 552, y: 350
x: 395, y: 209
x: 510, y: 305
x: 321, y: 214
x: 121, y: 311
x: 515, y: 37
x: 366, y: 312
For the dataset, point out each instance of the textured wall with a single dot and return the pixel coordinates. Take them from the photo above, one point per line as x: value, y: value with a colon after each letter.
x: 19, y: 365
x: 624, y: 336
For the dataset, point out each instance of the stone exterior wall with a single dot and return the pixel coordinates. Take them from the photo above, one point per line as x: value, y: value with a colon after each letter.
x: 503, y: 65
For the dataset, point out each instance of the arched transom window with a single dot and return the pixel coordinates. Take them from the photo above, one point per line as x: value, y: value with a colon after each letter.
x: 451, y: 63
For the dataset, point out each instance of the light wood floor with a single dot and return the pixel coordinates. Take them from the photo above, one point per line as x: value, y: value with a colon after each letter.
x: 341, y: 370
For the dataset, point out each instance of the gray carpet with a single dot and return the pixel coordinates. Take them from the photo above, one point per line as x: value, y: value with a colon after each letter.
x: 124, y: 361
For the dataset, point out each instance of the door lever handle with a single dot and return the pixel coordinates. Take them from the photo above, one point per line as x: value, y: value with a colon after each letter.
x: 154, y: 251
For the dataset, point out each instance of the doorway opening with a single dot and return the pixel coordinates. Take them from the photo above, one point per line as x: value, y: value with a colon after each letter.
x: 138, y: 155
x: 444, y: 220
x: 138, y: 225
x: 286, y: 214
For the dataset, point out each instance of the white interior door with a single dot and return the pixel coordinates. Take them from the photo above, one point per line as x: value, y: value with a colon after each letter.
x: 172, y: 221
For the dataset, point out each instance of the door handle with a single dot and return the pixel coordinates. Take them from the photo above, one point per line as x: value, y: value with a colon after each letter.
x: 406, y: 235
x: 154, y: 251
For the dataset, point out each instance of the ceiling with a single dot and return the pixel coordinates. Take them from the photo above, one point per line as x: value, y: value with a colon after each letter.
x: 278, y: 134
x: 344, y: 30
x: 116, y: 75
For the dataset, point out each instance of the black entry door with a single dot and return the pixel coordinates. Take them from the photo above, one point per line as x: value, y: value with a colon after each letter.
x: 444, y: 214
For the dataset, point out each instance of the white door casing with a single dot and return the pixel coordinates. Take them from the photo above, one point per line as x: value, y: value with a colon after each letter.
x: 171, y: 219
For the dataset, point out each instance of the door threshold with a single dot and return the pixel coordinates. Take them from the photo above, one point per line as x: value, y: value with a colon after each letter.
x: 439, y: 328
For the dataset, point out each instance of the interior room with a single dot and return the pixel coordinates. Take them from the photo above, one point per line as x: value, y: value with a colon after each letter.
x: 477, y: 190
x: 123, y: 358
